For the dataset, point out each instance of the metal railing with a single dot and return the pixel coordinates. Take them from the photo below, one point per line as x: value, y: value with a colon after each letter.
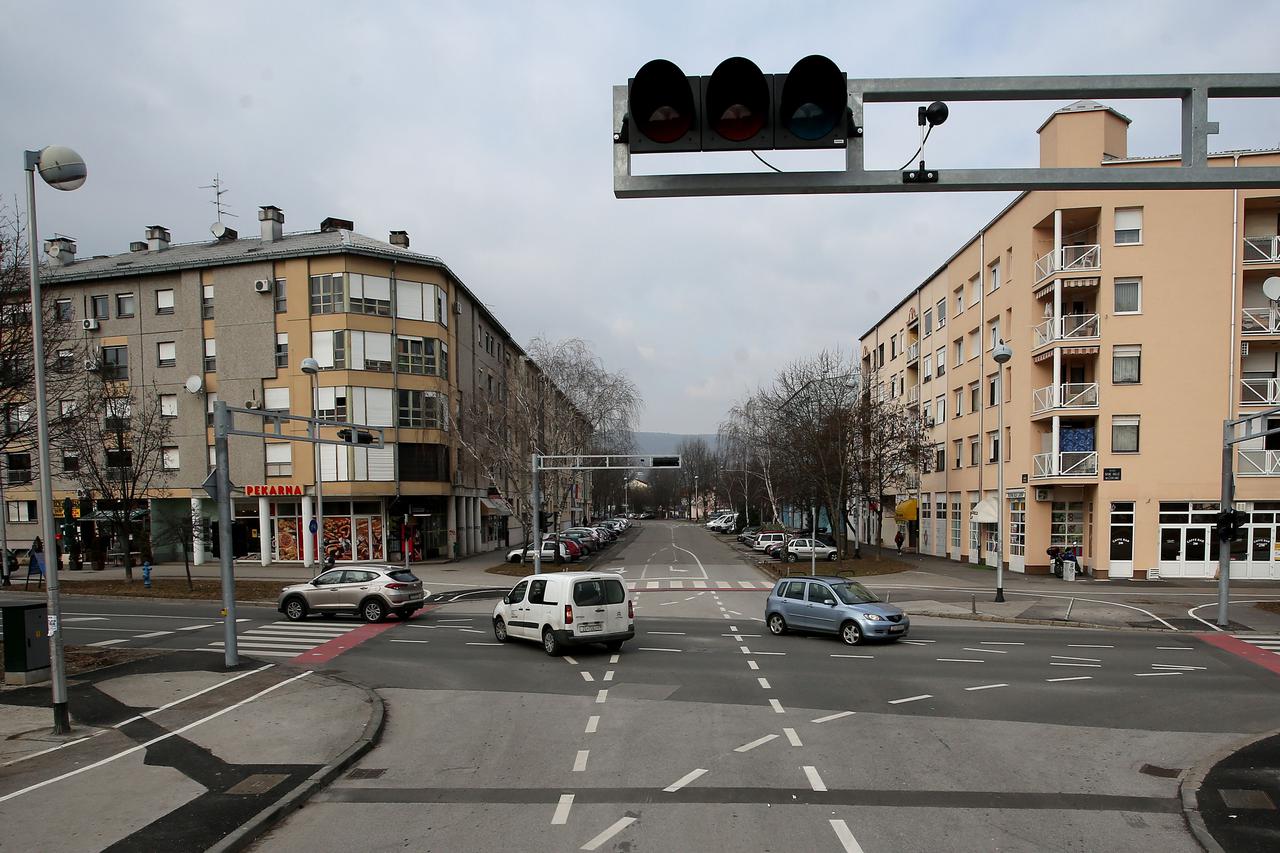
x: 1260, y: 321
x: 1259, y: 463
x: 913, y: 353
x: 1262, y: 250
x: 1070, y: 464
x: 1260, y: 392
x: 1071, y: 327
x: 1071, y: 395
x: 1069, y: 259
x: 913, y: 396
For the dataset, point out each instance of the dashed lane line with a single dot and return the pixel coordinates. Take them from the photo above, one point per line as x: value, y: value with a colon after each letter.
x: 829, y: 717
x: 815, y: 781
x: 845, y: 837
x: 608, y: 675
x: 792, y: 737
x: 1162, y: 672
x: 1087, y: 646
x: 109, y: 642
x: 691, y: 776
x: 1177, y: 667
x: 777, y: 706
x: 423, y: 642
x: 152, y: 634
x: 593, y: 723
x: 761, y: 741
x: 665, y: 633
x: 1072, y: 678
x: 911, y: 699
x: 613, y: 658
x: 602, y: 696
x: 1175, y: 648
x: 960, y: 660
x: 561, y: 815
x: 986, y: 687
x: 985, y: 651
x: 753, y: 665
x: 484, y: 644
x: 653, y: 649
x: 580, y: 760
x: 1065, y: 663
x: 570, y: 661
x: 1069, y: 657
x: 998, y: 643
x: 621, y: 824
x: 764, y: 682
x: 859, y: 657
x: 586, y: 676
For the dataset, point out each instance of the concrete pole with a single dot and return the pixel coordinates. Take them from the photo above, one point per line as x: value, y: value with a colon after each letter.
x: 1000, y: 511
x: 308, y: 546
x: 1224, y: 545
x: 536, y: 500
x: 813, y: 543
x: 451, y: 526
x: 264, y: 531
x: 222, y: 460
x: 197, y: 531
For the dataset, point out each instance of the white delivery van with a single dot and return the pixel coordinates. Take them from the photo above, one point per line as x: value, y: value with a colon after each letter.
x: 566, y: 609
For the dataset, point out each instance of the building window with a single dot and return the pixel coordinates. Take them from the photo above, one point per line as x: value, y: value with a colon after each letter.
x: 1128, y: 293
x: 419, y: 410
x: 331, y: 404
x: 955, y: 521
x: 993, y: 447
x: 120, y: 462
x: 928, y: 321
x: 1128, y: 226
x: 374, y: 351
x: 64, y: 311
x: 282, y: 349
x: 101, y: 307
x: 992, y: 396
x: 279, y: 460
x: 928, y: 367
x: 1121, y: 531
x: 959, y: 403
x: 995, y: 276
x: 939, y: 458
x: 125, y: 304
x: 115, y: 363
x: 328, y: 294
x: 168, y: 405
x: 164, y: 301
x: 880, y: 355
x: 940, y: 409
x: 281, y: 296
x: 958, y: 447
x: 210, y: 355
x: 893, y: 347
x: 975, y: 397
x: 66, y: 408
x: 275, y: 399
x: 1066, y: 524
x: 423, y: 462
x: 169, y: 458
x: 70, y: 462
x: 942, y: 361
x: 959, y: 346
x: 973, y: 525
x: 21, y: 511
x: 994, y: 329
x: 368, y: 294
x: 206, y: 302
x: 1126, y: 365
x: 959, y: 300
x: 1017, y: 525
x: 117, y: 414
x: 974, y: 455
x: 975, y: 345
x: 167, y: 353
x: 17, y: 468
x: 210, y: 399
x: 942, y: 313
x: 1124, y: 433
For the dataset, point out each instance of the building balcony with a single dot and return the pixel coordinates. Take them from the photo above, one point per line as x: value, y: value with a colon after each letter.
x: 1260, y: 392
x: 1262, y: 250
x: 1073, y: 395
x: 1069, y: 259
x: 1258, y: 463
x: 913, y: 354
x: 1070, y: 328
x: 1260, y: 321
x: 913, y: 396
x: 1074, y: 464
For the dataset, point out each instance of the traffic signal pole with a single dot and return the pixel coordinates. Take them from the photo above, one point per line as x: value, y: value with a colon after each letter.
x: 1224, y: 542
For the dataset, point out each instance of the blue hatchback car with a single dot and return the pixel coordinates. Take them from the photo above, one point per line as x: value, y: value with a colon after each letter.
x: 833, y: 606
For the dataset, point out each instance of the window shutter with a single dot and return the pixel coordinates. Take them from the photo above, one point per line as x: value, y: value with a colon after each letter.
x: 322, y: 348
x: 377, y: 346
x: 409, y: 300
x: 382, y: 464
x: 356, y: 359
x: 1129, y: 219
x: 376, y: 287
x: 379, y: 407
x: 329, y: 461
x: 276, y: 399
x: 279, y: 452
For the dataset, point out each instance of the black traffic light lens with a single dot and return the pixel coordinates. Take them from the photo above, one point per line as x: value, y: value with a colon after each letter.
x: 660, y: 101
x: 814, y: 98
x: 737, y: 104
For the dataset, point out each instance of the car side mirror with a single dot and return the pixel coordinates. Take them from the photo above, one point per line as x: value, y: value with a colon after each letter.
x: 832, y: 603
x: 506, y: 599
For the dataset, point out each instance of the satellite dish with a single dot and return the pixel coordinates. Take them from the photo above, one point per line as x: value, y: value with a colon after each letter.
x: 1271, y: 288
x: 194, y: 384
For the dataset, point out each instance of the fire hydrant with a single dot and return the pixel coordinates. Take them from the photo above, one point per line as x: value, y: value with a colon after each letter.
x: 146, y: 574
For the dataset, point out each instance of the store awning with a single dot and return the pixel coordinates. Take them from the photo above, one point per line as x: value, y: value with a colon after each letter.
x: 986, y: 512
x: 498, y: 505
x: 908, y: 510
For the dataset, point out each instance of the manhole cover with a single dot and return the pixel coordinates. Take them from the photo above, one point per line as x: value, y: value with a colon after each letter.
x: 1236, y: 798
x: 367, y: 773
x: 1162, y: 772
x: 258, y: 783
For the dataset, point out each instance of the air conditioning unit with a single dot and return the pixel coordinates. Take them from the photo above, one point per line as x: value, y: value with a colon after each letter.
x: 91, y: 365
x: 262, y: 285
x: 252, y: 404
x: 1044, y: 495
x: 91, y: 324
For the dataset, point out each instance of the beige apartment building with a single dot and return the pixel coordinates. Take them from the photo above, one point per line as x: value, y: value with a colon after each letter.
x: 1138, y: 323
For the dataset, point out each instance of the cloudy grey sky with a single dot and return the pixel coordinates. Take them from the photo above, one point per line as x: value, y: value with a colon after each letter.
x: 483, y: 129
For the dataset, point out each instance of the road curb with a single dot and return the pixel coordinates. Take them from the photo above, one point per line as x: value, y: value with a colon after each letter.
x: 67, y: 593
x: 265, y: 819
x: 1191, y: 780
x: 1018, y: 620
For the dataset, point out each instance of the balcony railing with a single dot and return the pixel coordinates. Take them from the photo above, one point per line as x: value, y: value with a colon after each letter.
x: 913, y: 396
x: 1072, y: 395
x: 1262, y: 250
x: 913, y: 353
x: 1260, y: 321
x: 1069, y: 259
x: 1259, y: 463
x: 1260, y: 392
x: 1072, y: 327
x: 1073, y: 464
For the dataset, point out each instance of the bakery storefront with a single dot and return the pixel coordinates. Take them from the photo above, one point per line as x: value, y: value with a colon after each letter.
x: 281, y: 516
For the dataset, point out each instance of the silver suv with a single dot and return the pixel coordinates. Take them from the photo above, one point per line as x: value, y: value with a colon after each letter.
x: 370, y: 592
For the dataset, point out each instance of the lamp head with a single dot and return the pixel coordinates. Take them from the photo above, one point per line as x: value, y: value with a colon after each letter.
x: 936, y: 113
x: 62, y: 168
x: 310, y: 366
x: 1001, y: 352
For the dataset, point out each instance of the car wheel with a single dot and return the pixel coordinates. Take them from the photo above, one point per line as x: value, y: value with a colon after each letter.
x: 850, y: 633
x: 549, y: 643
x: 499, y: 630
x: 372, y: 610
x: 295, y: 609
x: 515, y: 559
x: 832, y: 557
x: 777, y: 625
x: 792, y: 557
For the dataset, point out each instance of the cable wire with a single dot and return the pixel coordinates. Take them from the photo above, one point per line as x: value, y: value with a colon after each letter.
x: 918, y: 150
x: 766, y: 162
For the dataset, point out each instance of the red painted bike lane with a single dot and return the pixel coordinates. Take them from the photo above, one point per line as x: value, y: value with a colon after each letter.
x: 1262, y: 657
x: 351, y: 639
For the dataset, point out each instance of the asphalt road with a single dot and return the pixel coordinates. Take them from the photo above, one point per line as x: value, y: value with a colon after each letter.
x: 707, y: 734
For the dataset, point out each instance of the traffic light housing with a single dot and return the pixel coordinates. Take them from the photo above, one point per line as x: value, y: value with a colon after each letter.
x: 665, y: 462
x: 1231, y: 524
x: 355, y: 436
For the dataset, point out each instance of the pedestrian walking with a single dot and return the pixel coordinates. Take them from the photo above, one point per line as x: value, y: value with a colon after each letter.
x: 898, y: 540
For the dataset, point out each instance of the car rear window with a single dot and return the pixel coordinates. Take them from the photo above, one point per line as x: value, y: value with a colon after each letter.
x: 595, y: 592
x: 403, y: 576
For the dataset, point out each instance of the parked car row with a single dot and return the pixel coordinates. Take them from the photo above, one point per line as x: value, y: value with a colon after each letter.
x: 575, y: 542
x: 771, y: 541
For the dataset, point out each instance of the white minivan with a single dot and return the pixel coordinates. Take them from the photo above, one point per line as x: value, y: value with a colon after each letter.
x: 567, y: 609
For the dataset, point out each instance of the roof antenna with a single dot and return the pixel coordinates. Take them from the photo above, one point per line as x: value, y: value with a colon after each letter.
x: 220, y: 231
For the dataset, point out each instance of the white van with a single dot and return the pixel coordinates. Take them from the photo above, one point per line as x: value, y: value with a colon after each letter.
x: 567, y: 609
x: 724, y: 523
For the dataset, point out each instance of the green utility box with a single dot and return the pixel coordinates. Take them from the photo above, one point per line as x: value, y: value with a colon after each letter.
x: 26, y: 643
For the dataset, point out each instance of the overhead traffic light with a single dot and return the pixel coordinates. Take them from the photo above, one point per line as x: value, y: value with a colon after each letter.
x: 356, y: 437
x: 665, y: 462
x: 737, y: 107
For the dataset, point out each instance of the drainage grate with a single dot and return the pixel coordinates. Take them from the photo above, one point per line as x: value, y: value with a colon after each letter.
x: 1162, y: 772
x: 367, y: 773
x: 1236, y: 798
x: 258, y: 783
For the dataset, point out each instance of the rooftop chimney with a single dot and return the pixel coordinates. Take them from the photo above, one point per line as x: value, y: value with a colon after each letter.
x: 157, y: 238
x: 400, y: 238
x: 137, y: 246
x: 272, y: 220
x: 61, y: 251
x: 333, y: 223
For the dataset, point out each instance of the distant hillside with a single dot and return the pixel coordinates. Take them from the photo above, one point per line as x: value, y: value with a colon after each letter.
x: 667, y: 442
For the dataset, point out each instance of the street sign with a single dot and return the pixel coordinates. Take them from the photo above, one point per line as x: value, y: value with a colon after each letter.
x: 210, y: 484
x: 1111, y: 473
x: 313, y: 527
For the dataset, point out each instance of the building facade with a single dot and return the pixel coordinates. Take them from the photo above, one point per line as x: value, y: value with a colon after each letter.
x: 402, y: 344
x: 1138, y: 324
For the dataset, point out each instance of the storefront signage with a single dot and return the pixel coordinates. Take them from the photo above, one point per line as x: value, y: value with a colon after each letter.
x: 272, y: 491
x: 1111, y: 473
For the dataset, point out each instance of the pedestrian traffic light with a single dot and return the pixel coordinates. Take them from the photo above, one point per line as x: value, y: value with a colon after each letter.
x: 1231, y: 524
x: 737, y: 107
x: 355, y: 437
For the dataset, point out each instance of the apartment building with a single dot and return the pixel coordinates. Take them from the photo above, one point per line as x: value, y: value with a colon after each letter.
x: 402, y: 344
x: 1138, y: 323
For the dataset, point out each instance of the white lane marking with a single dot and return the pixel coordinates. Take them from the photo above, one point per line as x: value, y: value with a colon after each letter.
x: 1087, y: 646
x: 986, y: 686
x: 1064, y: 663
x: 652, y: 585
x: 691, y: 598
x: 767, y: 653
x: 747, y: 747
x: 676, y: 583
x: 580, y: 761
x: 595, y: 843
x: 470, y: 630
x: 699, y: 584
x: 845, y: 837
x: 411, y: 641
x: 608, y: 675
x: 829, y: 717
x: 666, y: 633
x: 194, y: 627
x: 247, y: 643
x: 484, y: 644
x: 960, y: 660
x: 792, y: 736
x: 142, y: 746
x: 586, y: 676
x: 1175, y: 648
x: 753, y: 665
x: 152, y: 634
x: 764, y: 682
x: 726, y: 615
x: 601, y: 696
x: 1162, y: 672
x: 667, y: 603
x: 685, y: 780
x: 745, y: 650
x: 860, y: 657
x: 1069, y: 657
x: 911, y: 699
x: 85, y: 619
x: 735, y: 613
x: 985, y: 651
x: 262, y: 653
x: 456, y: 619
x: 570, y: 661
x: 1072, y: 678
x: 1177, y: 667
x: 108, y: 643
x: 777, y: 706
x: 998, y: 643
x: 915, y: 642
x: 613, y: 658
x: 747, y: 584
x: 815, y: 781
x: 561, y: 815
x: 652, y: 649
x: 593, y: 723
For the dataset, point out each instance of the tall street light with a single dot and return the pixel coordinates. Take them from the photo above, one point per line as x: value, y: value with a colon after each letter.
x: 62, y: 169
x: 696, y: 515
x: 311, y: 367
x: 1001, y: 353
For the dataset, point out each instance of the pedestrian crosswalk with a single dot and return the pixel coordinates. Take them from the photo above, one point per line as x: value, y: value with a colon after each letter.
x: 710, y: 585
x: 1270, y: 642
x: 287, y: 639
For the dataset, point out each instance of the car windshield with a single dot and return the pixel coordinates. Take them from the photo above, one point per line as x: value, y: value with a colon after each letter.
x: 853, y: 592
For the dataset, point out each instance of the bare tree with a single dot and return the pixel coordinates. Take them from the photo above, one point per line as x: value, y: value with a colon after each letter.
x: 698, y: 471
x: 181, y: 531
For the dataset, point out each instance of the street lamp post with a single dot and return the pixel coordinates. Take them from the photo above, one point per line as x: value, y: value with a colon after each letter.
x: 311, y: 367
x: 696, y: 514
x: 62, y: 169
x: 1001, y: 353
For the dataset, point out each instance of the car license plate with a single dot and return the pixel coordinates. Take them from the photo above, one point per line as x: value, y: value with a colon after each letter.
x: 590, y: 627
x: 897, y: 629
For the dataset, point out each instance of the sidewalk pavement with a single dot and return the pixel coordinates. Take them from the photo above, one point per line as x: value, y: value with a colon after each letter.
x: 173, y: 752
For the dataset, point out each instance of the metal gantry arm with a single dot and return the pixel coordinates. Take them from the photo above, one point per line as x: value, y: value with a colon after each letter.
x: 1230, y: 439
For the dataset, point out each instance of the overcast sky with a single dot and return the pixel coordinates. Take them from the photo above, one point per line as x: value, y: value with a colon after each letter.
x: 483, y: 129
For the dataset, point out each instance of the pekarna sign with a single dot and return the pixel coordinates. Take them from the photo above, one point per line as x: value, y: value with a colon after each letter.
x: 272, y: 491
